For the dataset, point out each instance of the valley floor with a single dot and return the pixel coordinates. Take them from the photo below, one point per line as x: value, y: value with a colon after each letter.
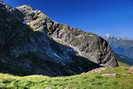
x: 110, y: 78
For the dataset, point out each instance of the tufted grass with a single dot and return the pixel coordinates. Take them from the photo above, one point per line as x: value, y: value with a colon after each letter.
x: 89, y: 80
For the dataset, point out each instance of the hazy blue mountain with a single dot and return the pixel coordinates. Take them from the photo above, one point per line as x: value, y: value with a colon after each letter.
x: 122, y: 46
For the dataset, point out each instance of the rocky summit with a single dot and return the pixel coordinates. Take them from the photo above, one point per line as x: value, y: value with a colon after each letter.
x: 32, y: 43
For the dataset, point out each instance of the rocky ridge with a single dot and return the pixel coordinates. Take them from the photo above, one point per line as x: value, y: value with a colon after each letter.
x: 32, y: 43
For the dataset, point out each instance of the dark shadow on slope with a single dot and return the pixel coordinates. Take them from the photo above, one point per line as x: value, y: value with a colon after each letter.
x: 32, y: 63
x: 44, y: 65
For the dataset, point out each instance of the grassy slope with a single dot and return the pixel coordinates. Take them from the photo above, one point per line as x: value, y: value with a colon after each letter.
x: 123, y: 80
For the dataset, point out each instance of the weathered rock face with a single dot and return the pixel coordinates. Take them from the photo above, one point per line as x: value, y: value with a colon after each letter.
x: 32, y: 43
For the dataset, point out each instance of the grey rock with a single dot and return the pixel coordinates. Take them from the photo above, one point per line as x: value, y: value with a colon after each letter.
x: 109, y: 75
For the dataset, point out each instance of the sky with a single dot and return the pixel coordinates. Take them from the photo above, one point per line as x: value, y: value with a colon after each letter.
x: 102, y: 17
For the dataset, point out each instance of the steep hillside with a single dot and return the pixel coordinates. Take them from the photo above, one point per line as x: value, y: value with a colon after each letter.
x: 32, y: 43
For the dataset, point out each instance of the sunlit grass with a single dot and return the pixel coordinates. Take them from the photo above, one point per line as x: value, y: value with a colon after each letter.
x: 122, y: 80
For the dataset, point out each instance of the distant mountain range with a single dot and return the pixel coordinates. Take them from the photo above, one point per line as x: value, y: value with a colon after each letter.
x: 122, y: 46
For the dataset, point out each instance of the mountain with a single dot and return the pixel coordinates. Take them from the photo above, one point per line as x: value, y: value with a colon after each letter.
x: 32, y: 43
x: 123, y: 47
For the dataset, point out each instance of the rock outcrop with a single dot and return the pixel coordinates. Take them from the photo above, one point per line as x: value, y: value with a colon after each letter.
x: 32, y: 43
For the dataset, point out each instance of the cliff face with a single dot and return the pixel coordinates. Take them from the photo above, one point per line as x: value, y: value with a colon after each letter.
x: 32, y: 43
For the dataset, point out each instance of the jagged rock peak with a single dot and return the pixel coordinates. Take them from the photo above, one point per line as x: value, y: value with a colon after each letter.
x: 32, y: 43
x: 82, y: 42
x: 31, y: 14
x: 26, y: 7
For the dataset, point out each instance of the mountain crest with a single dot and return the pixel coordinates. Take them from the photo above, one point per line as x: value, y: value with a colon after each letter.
x: 32, y: 43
